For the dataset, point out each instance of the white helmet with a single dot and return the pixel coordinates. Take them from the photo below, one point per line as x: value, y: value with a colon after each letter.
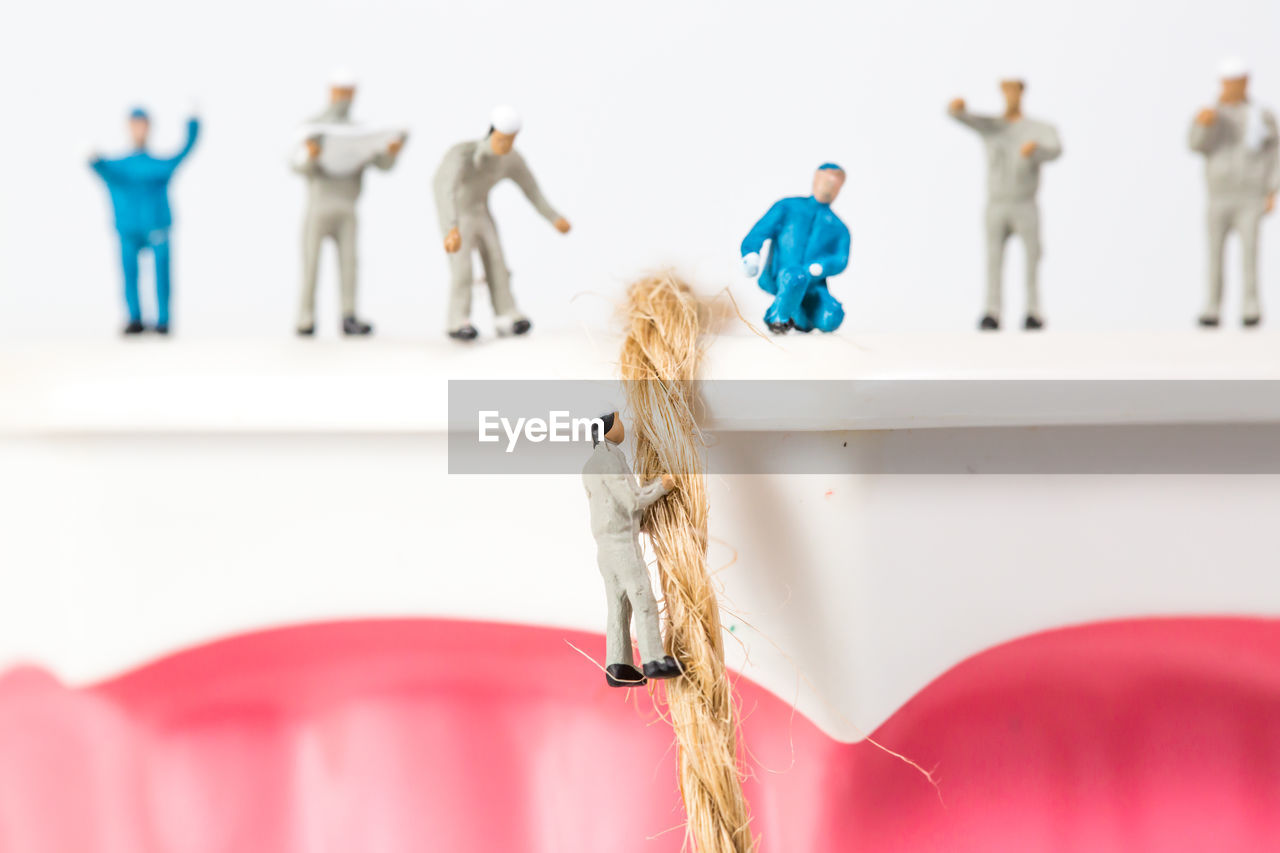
x: 1232, y: 68
x: 505, y: 119
x: 342, y: 78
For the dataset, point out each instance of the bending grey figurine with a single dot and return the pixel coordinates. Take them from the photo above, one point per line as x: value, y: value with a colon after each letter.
x: 462, y: 183
x: 617, y: 503
x: 1241, y: 149
x: 1016, y: 147
x: 331, y: 212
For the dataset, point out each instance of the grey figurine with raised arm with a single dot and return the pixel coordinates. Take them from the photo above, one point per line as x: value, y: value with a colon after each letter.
x: 1016, y: 146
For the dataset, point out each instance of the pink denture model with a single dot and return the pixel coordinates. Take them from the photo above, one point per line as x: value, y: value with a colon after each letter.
x: 398, y: 736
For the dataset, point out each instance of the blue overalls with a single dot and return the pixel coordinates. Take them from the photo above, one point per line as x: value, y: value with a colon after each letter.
x: 804, y: 231
x: 139, y: 189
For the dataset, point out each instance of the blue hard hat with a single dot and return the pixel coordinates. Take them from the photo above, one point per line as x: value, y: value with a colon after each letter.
x: 139, y: 112
x: 830, y: 166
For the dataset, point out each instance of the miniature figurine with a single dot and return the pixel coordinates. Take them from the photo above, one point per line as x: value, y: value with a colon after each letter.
x: 1241, y: 149
x: 809, y: 244
x: 1016, y: 148
x: 617, y: 504
x: 462, y: 183
x: 139, y: 187
x: 333, y: 156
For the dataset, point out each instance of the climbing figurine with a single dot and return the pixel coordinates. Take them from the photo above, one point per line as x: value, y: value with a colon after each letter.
x: 617, y: 503
x: 332, y: 156
x: 809, y: 244
x: 1241, y: 150
x: 138, y: 184
x: 462, y: 183
x: 1016, y: 147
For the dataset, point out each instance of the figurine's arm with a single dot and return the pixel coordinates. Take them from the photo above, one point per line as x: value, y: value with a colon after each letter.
x: 108, y: 170
x: 629, y: 495
x: 653, y: 492
x: 305, y: 160
x: 835, y: 262
x: 1048, y: 146
x: 148, y: 169
x: 385, y: 159
x: 524, y: 179
x: 982, y: 124
x: 1272, y: 147
x: 765, y: 229
x: 193, y: 132
x: 1204, y: 136
x: 448, y: 178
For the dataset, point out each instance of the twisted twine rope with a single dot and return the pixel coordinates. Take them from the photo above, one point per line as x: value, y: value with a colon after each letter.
x: 659, y: 363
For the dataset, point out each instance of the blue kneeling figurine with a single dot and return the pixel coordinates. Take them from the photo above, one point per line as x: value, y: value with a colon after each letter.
x: 809, y: 245
x: 139, y: 187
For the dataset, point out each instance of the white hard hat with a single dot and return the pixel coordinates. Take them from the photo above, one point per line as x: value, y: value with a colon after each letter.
x: 1232, y: 68
x: 342, y: 78
x: 505, y: 120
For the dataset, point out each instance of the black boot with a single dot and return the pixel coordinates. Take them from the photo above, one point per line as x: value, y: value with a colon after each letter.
x: 466, y: 333
x: 1032, y: 323
x: 781, y: 328
x: 161, y: 329
x: 1253, y: 321
x: 134, y: 328
x: 306, y: 331
x: 989, y: 324
x: 521, y: 327
x: 623, y: 675
x: 665, y: 668
x: 352, y: 326
x: 1208, y: 322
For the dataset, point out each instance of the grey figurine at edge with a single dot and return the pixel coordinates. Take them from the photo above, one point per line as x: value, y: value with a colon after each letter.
x: 617, y: 503
x: 1016, y: 147
x: 462, y: 183
x: 1241, y: 150
x: 331, y: 207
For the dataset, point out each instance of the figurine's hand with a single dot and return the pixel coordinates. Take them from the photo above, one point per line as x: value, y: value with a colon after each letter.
x: 815, y: 270
x: 1206, y: 117
x: 1029, y: 147
x: 394, y: 148
x: 956, y: 106
x: 313, y: 149
x: 562, y: 225
x: 452, y: 241
x: 1271, y: 203
x: 668, y: 482
x: 751, y: 264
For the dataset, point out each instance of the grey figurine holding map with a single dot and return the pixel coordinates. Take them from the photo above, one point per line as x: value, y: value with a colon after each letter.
x: 1241, y: 151
x: 331, y: 208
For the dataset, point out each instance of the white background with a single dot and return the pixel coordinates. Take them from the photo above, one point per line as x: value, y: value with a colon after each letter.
x: 662, y: 130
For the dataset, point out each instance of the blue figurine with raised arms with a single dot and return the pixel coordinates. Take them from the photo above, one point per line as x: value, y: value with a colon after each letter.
x: 139, y: 187
x: 809, y: 244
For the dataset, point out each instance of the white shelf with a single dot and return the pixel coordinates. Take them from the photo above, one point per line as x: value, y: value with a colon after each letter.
x: 904, y: 381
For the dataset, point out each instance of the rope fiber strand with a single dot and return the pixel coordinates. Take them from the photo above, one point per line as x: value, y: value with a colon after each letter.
x: 659, y: 365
